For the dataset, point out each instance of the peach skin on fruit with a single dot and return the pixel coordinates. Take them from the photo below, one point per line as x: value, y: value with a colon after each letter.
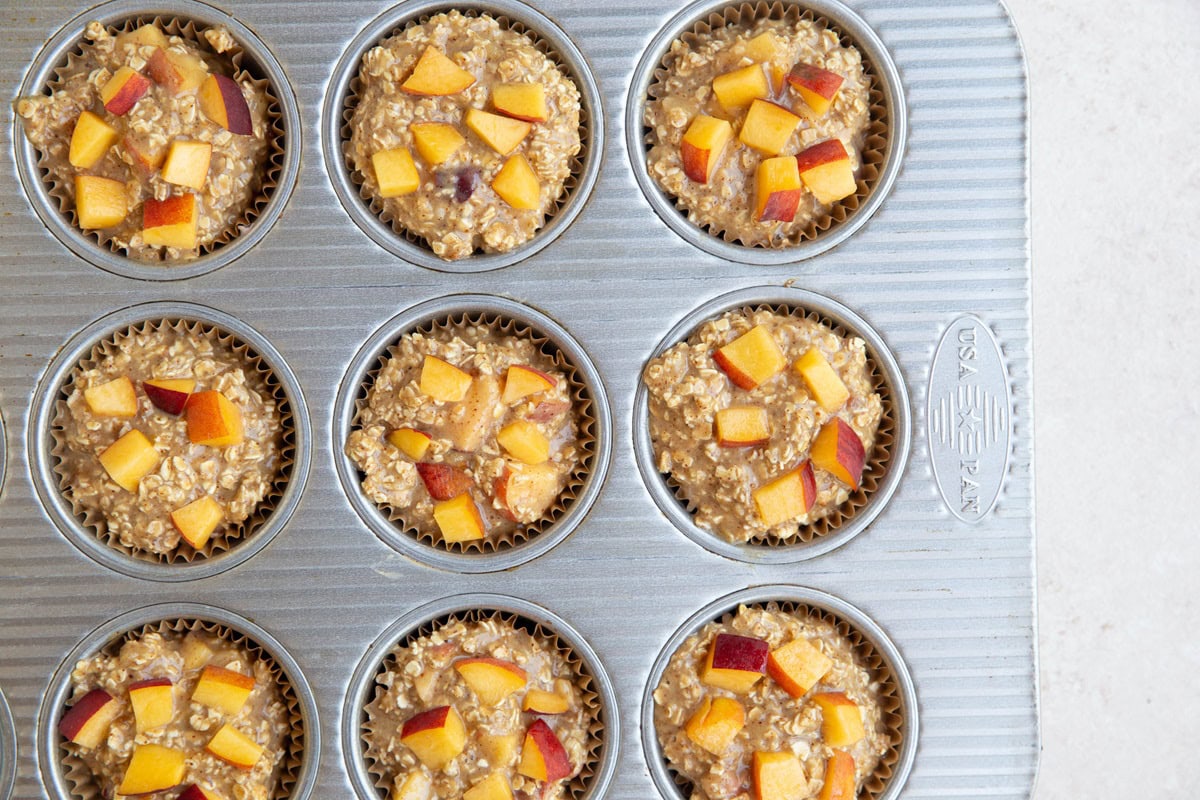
x: 435, y: 736
x: 735, y: 663
x: 838, y: 450
x: 751, y: 359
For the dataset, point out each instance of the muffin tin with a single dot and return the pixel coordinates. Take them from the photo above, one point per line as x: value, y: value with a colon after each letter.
x: 946, y: 251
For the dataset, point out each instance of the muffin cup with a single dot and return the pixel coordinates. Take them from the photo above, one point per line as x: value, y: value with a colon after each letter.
x: 186, y: 18
x: 65, y: 776
x: 877, y: 652
x: 881, y: 155
x: 342, y: 98
x: 87, y: 531
x: 885, y: 463
x: 591, y: 404
x: 3, y: 452
x: 8, y: 750
x: 593, y: 683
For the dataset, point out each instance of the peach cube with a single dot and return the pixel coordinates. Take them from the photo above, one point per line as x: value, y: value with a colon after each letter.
x: 435, y: 736
x: 500, y: 133
x: 826, y: 170
x: 716, y: 723
x: 765, y: 47
x: 523, y: 101
x: 443, y: 381
x: 415, y: 786
x: 152, y: 769
x: 788, y: 497
x: 90, y: 141
x: 703, y: 145
x: 412, y: 443
x: 768, y: 127
x: 196, y: 653
x: 143, y: 36
x: 144, y: 154
x: 840, y: 781
x: 841, y: 721
x: 494, y: 787
x: 213, y: 420
x: 838, y: 450
x: 87, y: 722
x: 178, y: 71
x: 778, y: 776
x: 197, y: 520
x: 395, y: 172
x: 735, y: 662
x: 129, y: 459
x: 742, y: 426
x: 500, y: 749
x: 517, y: 184
x: 436, y: 74
x: 169, y: 394
x: 194, y: 792
x: 123, y: 90
x: 442, y: 481
x: 524, y: 442
x: 797, y: 666
x: 817, y: 87
x: 475, y: 414
x: 492, y: 679
x: 234, y: 747
x: 543, y: 757
x: 777, y: 190
x: 822, y: 380
x: 436, y: 142
x: 153, y: 702
x: 99, y: 202
x: 522, y: 380
x: 737, y: 89
x: 539, y: 701
x: 458, y: 519
x: 187, y: 163
x: 222, y: 101
x: 171, y: 222
x: 223, y: 689
x: 525, y: 491
x: 751, y: 359
x: 116, y: 398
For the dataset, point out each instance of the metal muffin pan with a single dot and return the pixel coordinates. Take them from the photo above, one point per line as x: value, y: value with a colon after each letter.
x: 8, y: 750
x: 949, y: 242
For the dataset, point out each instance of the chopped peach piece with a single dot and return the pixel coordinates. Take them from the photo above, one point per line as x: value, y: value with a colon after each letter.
x: 826, y: 170
x: 716, y: 723
x: 524, y: 101
x: 539, y: 701
x: 223, y: 689
x: 153, y: 703
x: 742, y: 426
x: 437, y: 74
x: 147, y: 35
x: 458, y: 519
x: 475, y: 415
x: 768, y: 127
x: 234, y: 747
x: 703, y: 145
x: 765, y: 47
x: 841, y: 720
x: 123, y: 90
x: 840, y: 780
x: 751, y: 359
x: 500, y: 133
x: 735, y: 90
x: 197, y: 520
x: 817, y: 87
x: 144, y: 153
x: 99, y: 202
x: 788, y: 497
x: 187, y: 163
x: 494, y: 787
x: 735, y: 662
x: 213, y: 420
x: 822, y: 380
x: 395, y: 172
x: 171, y: 222
x: 116, y: 398
x: 777, y: 190
x: 435, y: 736
x: 178, y: 71
x: 90, y: 140
x: 522, y: 380
x: 412, y: 443
x: 417, y: 785
x: 87, y: 722
x: 492, y: 679
x: 436, y: 142
x: 524, y: 442
x: 442, y: 381
x: 797, y: 666
x: 778, y: 776
x: 152, y: 768
x: 543, y: 757
x: 169, y: 394
x: 517, y: 184
x: 129, y: 459
x: 838, y: 450
x: 222, y: 101
x: 525, y: 491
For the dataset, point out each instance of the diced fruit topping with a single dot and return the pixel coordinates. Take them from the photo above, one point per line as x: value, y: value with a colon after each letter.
x: 196, y: 653
x: 500, y: 749
x: 194, y: 792
x: 395, y: 172
x: 736, y: 90
x: 169, y: 394
x: 778, y: 776
x: 777, y: 190
x: 716, y: 723
x: 526, y: 491
x: 841, y: 721
x: 152, y: 769
x: 412, y: 443
x: 838, y: 450
x: 742, y: 426
x: 177, y: 71
x: 817, y: 87
x: 442, y: 481
x: 524, y: 442
x: 153, y: 703
x: 517, y: 184
x: 522, y: 380
x: 436, y: 74
x: 90, y: 140
x: 539, y: 701
x: 751, y: 359
x: 766, y: 47
x: 524, y: 101
x: 735, y: 662
x: 840, y: 782
x: 171, y: 222
x: 234, y: 747
x: 458, y: 519
x: 416, y: 786
x: 502, y: 134
x: 213, y: 420
x: 492, y: 679
x: 142, y: 36
x: 548, y: 410
x: 788, y: 497
x: 474, y: 416
x: 86, y: 723
x: 822, y: 380
x: 768, y: 127
x: 123, y: 90
x: 187, y: 163
x: 435, y: 736
x: 99, y: 202
x: 542, y: 756
x: 436, y: 141
x: 146, y: 156
x: 222, y: 101
x: 129, y: 459
x: 826, y: 170
x: 494, y: 787
x: 443, y: 381
x: 223, y: 689
x: 197, y: 520
x: 797, y: 666
x: 116, y: 398
x: 703, y: 145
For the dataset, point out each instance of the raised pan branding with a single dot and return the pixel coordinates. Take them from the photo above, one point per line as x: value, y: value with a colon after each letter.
x: 970, y: 416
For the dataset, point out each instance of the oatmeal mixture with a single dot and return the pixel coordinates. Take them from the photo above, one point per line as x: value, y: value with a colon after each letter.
x: 188, y: 726
x: 237, y: 477
x: 426, y: 675
x: 689, y: 390
x: 170, y: 111
x: 774, y: 720
x: 726, y: 203
x: 455, y: 207
x: 463, y: 453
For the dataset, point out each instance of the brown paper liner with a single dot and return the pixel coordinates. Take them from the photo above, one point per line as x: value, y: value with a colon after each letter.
x: 878, y: 460
x: 878, y: 130
x: 890, y: 705
x: 227, y: 536
x: 351, y: 103
x: 576, y: 787
x: 83, y: 784
x: 581, y: 405
x: 64, y: 193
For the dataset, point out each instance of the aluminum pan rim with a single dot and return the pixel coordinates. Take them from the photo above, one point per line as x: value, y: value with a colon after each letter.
x: 879, y: 353
x: 887, y: 74
x: 103, y: 257
x: 8, y: 750
x: 344, y: 411
x: 39, y: 440
x: 363, y: 678
x: 58, y: 690
x: 784, y: 593
x: 358, y: 209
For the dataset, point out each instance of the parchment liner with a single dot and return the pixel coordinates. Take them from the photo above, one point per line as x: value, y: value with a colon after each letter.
x: 581, y: 396
x: 590, y: 129
x: 297, y: 698
x: 897, y: 696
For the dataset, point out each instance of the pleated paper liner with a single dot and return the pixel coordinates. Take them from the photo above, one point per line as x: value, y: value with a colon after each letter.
x: 484, y: 324
x: 227, y: 536
x: 243, y: 69
x: 82, y: 783
x: 576, y: 787
x: 874, y: 147
x: 878, y: 462
x: 570, y: 185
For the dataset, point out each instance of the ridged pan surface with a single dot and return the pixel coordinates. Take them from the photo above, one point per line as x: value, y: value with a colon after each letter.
x: 954, y: 591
